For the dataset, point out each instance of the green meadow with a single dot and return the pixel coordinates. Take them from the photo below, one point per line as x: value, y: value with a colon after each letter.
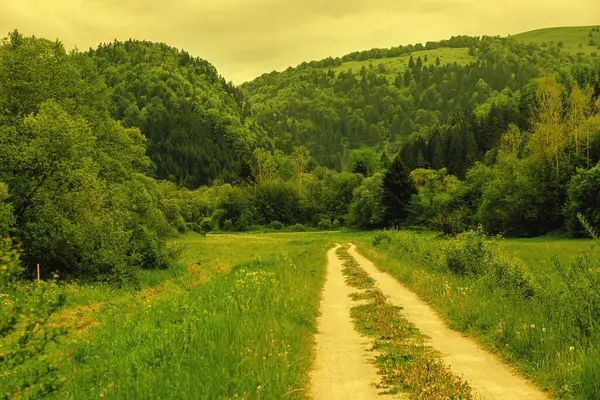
x: 575, y: 39
x: 236, y: 317
x: 534, y: 301
x: 393, y: 66
x: 235, y: 320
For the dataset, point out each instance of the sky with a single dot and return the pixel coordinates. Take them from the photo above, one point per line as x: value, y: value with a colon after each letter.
x: 246, y: 38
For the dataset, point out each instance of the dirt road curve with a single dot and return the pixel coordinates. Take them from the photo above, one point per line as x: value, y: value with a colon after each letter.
x: 486, y: 374
x: 343, y: 369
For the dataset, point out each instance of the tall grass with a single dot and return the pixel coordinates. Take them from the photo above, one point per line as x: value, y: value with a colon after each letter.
x: 238, y: 322
x: 548, y: 323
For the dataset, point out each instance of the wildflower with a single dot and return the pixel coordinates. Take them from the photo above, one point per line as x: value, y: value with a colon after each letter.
x: 532, y: 326
x: 544, y: 330
x: 571, y: 348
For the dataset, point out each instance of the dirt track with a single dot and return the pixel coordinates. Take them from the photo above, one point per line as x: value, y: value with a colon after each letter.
x: 343, y: 369
x: 485, y: 373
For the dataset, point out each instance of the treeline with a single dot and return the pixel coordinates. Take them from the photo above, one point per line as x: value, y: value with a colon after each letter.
x: 280, y: 191
x: 107, y: 153
x: 534, y: 182
x: 460, y: 41
x: 75, y: 194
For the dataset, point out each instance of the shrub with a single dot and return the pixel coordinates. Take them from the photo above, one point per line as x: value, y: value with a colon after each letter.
x: 276, y: 226
x: 194, y: 227
x: 297, y: 228
x: 217, y: 218
x: 206, y: 225
x: 324, y: 223
x: 470, y: 254
x: 583, y: 193
x: 366, y: 209
x: 228, y: 225
x: 511, y: 274
x: 6, y: 214
x: 382, y: 237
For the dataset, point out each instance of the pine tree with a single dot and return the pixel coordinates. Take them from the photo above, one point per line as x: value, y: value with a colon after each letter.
x: 397, y: 193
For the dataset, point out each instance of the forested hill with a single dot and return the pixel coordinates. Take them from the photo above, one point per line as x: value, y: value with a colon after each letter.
x: 194, y: 120
x: 446, y: 103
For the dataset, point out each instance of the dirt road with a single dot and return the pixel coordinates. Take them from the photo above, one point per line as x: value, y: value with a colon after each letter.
x: 486, y: 374
x: 343, y: 367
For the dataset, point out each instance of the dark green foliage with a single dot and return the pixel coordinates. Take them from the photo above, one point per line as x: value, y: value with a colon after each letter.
x: 583, y: 192
x: 316, y: 108
x: 74, y: 178
x: 195, y: 120
x: 469, y: 254
x: 6, y: 212
x: 398, y: 190
x: 366, y: 209
x: 276, y: 201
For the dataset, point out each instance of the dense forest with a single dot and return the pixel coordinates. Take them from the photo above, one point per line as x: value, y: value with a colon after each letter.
x: 109, y: 152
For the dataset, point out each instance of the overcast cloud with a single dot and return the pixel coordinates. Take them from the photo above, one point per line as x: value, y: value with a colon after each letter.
x: 245, y: 38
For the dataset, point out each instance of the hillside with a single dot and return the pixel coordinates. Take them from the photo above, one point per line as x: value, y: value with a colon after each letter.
x: 386, y: 98
x: 193, y: 118
x: 574, y: 39
x: 392, y: 66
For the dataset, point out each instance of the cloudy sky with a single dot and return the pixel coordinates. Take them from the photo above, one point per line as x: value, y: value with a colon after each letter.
x: 244, y: 38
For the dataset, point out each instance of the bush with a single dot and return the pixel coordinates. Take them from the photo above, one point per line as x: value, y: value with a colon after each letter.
x: 6, y: 214
x: 276, y: 226
x: 206, y: 225
x: 194, y: 227
x: 470, y: 254
x: 324, y: 223
x: 297, y: 228
x: 583, y: 194
x: 381, y: 237
x: 366, y: 209
x: 228, y: 225
x: 217, y: 218
x: 511, y: 274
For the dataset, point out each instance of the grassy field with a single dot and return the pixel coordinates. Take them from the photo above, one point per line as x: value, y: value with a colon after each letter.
x: 234, y: 320
x: 236, y: 317
x: 536, y: 306
x: 575, y: 39
x: 395, y: 65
